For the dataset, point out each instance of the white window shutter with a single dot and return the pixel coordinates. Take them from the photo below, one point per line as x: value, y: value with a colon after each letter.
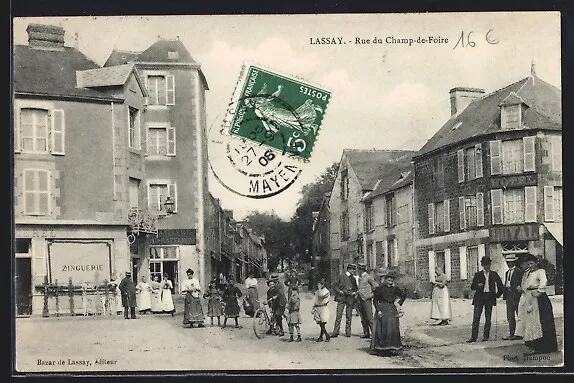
x: 396, y: 257
x: 460, y: 160
x: 172, y: 192
x: 17, y: 139
x: 530, y: 203
x: 495, y: 157
x: 58, y: 132
x: 139, y: 130
x: 447, y: 264
x: 479, y: 209
x: 171, y: 141
x: 463, y: 262
x: 529, y: 153
x: 146, y: 99
x: 478, y: 159
x: 446, y: 215
x: 548, y: 203
x: 481, y: 251
x: 556, y: 158
x: 462, y: 212
x: 386, y: 253
x: 431, y: 218
x: 39, y: 262
x: 496, y: 205
x: 170, y: 90
x: 432, y: 266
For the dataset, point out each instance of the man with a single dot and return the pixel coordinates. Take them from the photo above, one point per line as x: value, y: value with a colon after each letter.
x: 365, y: 292
x: 277, y: 302
x: 345, y: 288
x: 128, y: 290
x: 488, y: 287
x: 512, y: 293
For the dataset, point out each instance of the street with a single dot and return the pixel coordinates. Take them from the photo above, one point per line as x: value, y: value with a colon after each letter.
x: 160, y: 342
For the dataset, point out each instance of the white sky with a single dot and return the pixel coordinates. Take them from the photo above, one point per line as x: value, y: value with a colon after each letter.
x: 385, y: 96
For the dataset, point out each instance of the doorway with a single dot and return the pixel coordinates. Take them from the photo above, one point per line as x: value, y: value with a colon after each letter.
x: 23, y: 279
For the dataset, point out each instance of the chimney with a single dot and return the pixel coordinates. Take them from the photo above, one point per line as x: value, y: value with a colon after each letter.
x: 460, y: 97
x: 48, y: 37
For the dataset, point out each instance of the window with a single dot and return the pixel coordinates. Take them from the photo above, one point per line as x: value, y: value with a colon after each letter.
x: 157, y: 194
x: 369, y: 217
x: 469, y: 163
x: 370, y: 255
x: 391, y: 253
x: 345, y: 226
x: 472, y: 261
x: 471, y: 210
x: 552, y: 203
x: 39, y: 131
x: 513, y: 205
x: 161, y: 89
x: 510, y: 117
x: 390, y: 210
x: 439, y: 217
x: 513, y: 156
x: 164, y: 260
x: 172, y: 55
x: 557, y: 153
x: 161, y: 141
x: 440, y: 261
x: 134, y: 121
x: 36, y: 192
x: 438, y: 172
x: 344, y: 185
x: 134, y: 186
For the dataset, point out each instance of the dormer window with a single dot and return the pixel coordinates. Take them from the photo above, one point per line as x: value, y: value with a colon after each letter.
x: 173, y: 55
x: 511, y: 117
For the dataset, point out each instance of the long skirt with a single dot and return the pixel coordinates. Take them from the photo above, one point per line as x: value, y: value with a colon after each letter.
x: 144, y: 300
x: 539, y: 326
x: 440, y: 308
x: 231, y: 308
x: 214, y: 307
x: 167, y: 301
x: 387, y: 334
x: 156, y: 301
x: 251, y: 301
x: 192, y: 312
x: 118, y: 301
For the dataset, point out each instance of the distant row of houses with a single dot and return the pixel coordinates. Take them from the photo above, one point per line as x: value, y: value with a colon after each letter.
x: 488, y: 183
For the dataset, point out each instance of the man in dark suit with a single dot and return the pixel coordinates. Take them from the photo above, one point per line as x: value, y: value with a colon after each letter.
x: 512, y: 292
x: 366, y: 287
x: 488, y: 287
x: 128, y: 290
x: 345, y: 288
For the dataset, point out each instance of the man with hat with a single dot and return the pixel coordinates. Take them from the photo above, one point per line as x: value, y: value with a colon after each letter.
x: 277, y: 301
x: 345, y: 288
x: 512, y: 292
x: 128, y: 289
x: 488, y: 287
x: 365, y: 293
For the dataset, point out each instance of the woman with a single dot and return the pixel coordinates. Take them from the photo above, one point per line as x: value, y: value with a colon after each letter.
x: 321, y: 310
x: 388, y: 301
x: 144, y: 296
x: 441, y: 307
x: 230, y: 296
x: 251, y: 302
x: 166, y: 296
x: 192, y: 312
x: 155, y: 286
x: 115, y: 302
x: 213, y: 296
x: 536, y: 317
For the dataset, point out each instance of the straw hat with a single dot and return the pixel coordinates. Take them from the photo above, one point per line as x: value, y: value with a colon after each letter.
x: 511, y: 257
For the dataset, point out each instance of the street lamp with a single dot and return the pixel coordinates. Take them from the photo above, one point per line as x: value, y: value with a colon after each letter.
x: 169, y: 205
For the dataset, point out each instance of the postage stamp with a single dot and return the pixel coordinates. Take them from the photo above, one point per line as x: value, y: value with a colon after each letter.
x: 277, y: 111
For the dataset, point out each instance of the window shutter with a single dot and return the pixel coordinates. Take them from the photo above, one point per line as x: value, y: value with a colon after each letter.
x: 461, y: 213
x: 39, y: 263
x: 481, y: 251
x: 431, y: 266
x: 479, y: 209
x: 172, y: 192
x: 384, y: 212
x: 17, y: 140
x: 447, y: 264
x: 146, y: 99
x: 431, y: 217
x: 495, y: 157
x: 496, y: 204
x: 549, y: 203
x: 171, y: 141
x: 58, y: 132
x: 446, y: 215
x: 478, y: 159
x: 139, y: 130
x: 529, y: 153
x: 396, y: 252
x: 463, y: 264
x: 530, y: 202
x: 386, y: 253
x: 170, y: 90
x: 460, y: 159
x: 556, y: 153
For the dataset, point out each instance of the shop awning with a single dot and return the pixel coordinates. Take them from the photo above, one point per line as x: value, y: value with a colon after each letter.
x: 556, y: 229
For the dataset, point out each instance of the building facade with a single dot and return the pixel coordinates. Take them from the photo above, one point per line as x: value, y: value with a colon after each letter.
x: 489, y: 182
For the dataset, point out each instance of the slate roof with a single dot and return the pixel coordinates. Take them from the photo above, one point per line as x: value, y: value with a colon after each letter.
x: 112, y: 76
x: 369, y: 165
x: 394, y: 176
x: 482, y: 116
x: 52, y: 72
x: 118, y: 57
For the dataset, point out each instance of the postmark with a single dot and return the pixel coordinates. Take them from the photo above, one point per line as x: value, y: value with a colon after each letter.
x: 277, y: 111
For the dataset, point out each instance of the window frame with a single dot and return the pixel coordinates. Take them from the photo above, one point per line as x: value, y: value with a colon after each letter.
x: 136, y: 128
x: 504, y: 113
x: 34, y: 128
x: 171, y: 190
x: 37, y: 192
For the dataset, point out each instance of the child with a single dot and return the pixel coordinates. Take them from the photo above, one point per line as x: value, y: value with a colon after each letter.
x: 230, y: 296
x: 320, y: 310
x: 213, y: 296
x: 294, y: 319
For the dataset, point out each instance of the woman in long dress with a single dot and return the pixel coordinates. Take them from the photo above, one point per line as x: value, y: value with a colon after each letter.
x: 144, y: 296
x: 115, y: 301
x: 166, y: 296
x: 441, y: 306
x: 155, y: 286
x: 230, y: 296
x: 213, y: 296
x: 192, y: 312
x: 388, y: 300
x: 536, y: 317
x: 320, y: 309
x: 251, y: 303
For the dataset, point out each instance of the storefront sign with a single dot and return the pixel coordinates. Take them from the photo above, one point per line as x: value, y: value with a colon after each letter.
x: 81, y: 261
x: 526, y: 232
x: 175, y: 237
x: 514, y: 181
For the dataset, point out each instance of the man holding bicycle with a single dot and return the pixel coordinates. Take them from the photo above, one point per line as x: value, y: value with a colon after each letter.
x: 277, y: 302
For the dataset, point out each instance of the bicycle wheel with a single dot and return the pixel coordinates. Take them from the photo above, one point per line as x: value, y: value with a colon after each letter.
x: 260, y: 323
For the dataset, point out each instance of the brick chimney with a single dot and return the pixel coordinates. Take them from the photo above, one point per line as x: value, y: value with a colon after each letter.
x: 48, y: 37
x: 460, y: 97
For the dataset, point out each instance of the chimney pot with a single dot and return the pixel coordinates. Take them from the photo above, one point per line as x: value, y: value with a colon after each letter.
x: 461, y: 97
x: 47, y: 37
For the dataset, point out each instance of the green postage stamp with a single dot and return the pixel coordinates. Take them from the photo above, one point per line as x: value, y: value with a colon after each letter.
x: 277, y: 111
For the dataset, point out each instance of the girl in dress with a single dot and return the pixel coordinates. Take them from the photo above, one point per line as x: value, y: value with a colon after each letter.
x: 230, y: 296
x: 294, y: 319
x: 440, y: 307
x: 213, y: 296
x: 321, y: 310
x: 144, y: 296
x: 155, y: 286
x: 166, y: 296
x: 192, y: 312
x: 388, y: 300
x: 251, y: 302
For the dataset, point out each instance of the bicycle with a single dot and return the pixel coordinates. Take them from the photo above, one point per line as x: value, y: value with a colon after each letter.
x: 263, y: 322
